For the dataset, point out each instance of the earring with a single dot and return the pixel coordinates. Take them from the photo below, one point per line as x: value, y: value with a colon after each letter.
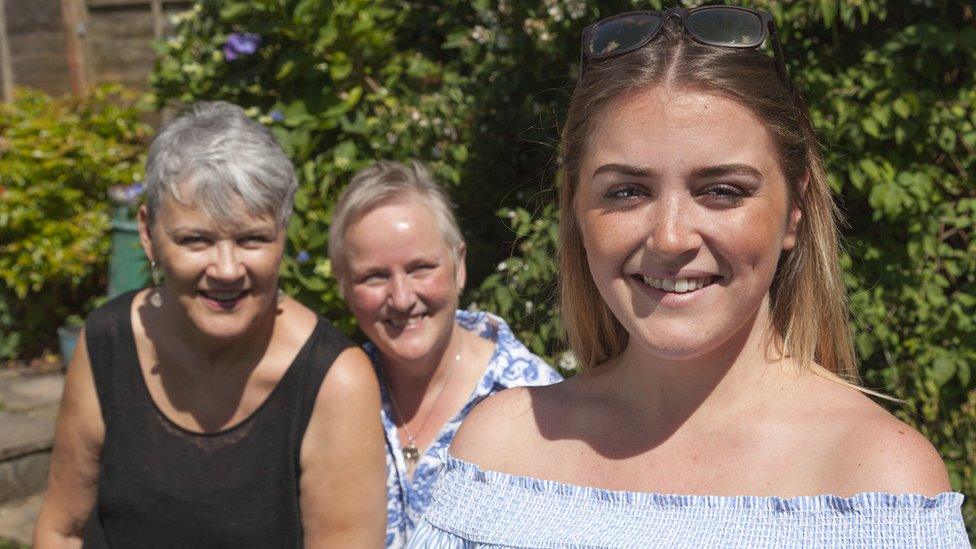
x: 156, y: 299
x: 281, y: 295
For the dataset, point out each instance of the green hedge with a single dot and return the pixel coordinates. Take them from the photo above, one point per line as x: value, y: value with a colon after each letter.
x: 478, y: 88
x: 58, y: 158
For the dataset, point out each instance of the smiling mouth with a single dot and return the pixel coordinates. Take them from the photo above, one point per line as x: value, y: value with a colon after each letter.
x: 224, y: 297
x: 677, y: 285
x: 406, y: 321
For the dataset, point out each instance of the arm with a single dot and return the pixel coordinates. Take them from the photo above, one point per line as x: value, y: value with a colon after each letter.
x: 343, y: 460
x: 73, y: 480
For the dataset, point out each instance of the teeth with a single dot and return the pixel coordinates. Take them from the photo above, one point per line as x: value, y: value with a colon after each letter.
x: 676, y: 285
x: 410, y: 321
x: 224, y: 296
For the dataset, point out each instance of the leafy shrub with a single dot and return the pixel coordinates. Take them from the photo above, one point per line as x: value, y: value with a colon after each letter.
x: 476, y: 88
x: 58, y: 157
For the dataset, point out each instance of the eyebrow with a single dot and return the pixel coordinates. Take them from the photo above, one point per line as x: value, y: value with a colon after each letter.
x: 727, y: 170
x: 722, y: 170
x: 625, y: 169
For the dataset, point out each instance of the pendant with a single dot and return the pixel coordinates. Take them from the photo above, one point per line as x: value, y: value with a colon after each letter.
x: 411, y: 453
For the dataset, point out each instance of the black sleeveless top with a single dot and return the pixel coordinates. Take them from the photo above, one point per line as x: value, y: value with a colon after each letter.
x: 160, y: 485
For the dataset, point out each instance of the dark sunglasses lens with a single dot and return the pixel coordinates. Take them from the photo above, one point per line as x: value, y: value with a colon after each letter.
x: 622, y: 34
x: 726, y: 27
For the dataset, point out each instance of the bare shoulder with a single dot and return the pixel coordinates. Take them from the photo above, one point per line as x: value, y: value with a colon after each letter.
x: 499, y: 429
x: 873, y: 451
x: 351, y: 374
x: 348, y: 402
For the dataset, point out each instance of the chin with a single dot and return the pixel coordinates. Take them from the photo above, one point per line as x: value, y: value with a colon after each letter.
x: 408, y: 353
x: 677, y: 346
x: 224, y: 326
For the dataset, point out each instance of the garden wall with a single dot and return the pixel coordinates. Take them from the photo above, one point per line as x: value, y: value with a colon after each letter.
x: 114, y: 41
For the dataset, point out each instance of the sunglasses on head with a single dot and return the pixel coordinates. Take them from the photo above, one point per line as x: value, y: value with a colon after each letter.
x: 722, y: 26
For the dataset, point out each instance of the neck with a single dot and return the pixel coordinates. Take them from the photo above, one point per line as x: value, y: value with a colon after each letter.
x: 409, y: 381
x: 209, y: 353
x: 703, y: 388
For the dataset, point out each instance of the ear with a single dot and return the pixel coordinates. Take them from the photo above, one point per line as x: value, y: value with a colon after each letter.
x: 795, y: 214
x: 460, y: 271
x: 145, y: 235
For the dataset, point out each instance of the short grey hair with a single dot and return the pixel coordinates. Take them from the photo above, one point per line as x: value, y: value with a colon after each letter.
x: 384, y: 182
x: 224, y: 156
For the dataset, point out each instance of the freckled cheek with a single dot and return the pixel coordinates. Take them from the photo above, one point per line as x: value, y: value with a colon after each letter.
x: 754, y: 240
x: 609, y: 238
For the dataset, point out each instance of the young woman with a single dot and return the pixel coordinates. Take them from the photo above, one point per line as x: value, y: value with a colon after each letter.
x: 399, y: 257
x: 211, y: 410
x: 702, y: 294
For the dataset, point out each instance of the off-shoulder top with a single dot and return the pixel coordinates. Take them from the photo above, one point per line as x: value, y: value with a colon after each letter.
x: 472, y: 508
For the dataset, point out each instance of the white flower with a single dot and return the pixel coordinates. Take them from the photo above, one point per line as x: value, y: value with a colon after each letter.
x: 567, y: 361
x: 502, y: 266
x: 481, y: 34
x: 555, y: 10
x: 575, y: 8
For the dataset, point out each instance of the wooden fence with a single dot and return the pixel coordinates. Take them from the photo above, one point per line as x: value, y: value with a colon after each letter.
x: 64, y: 46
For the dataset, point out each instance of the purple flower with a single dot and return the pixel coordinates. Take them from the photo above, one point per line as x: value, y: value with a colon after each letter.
x: 126, y: 195
x: 302, y: 257
x: 240, y: 44
x: 277, y: 115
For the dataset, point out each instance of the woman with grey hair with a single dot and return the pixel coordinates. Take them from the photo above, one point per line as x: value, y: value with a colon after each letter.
x: 211, y: 410
x: 399, y: 257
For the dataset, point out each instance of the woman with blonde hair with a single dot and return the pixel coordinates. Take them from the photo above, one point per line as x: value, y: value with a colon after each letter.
x: 399, y: 257
x: 718, y: 403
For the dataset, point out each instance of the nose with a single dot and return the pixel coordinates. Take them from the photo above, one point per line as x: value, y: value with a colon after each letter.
x: 401, y: 296
x: 674, y: 231
x: 226, y: 264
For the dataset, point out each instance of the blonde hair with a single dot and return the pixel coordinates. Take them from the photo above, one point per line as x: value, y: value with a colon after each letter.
x: 809, y: 311
x: 379, y: 184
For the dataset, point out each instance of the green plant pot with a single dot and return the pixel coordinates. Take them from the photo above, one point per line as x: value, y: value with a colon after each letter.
x: 67, y: 339
x: 127, y: 265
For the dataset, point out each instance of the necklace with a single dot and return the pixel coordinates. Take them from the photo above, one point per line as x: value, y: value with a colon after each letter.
x: 411, y: 453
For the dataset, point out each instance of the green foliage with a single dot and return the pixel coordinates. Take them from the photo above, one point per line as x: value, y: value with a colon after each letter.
x: 477, y: 87
x: 58, y: 157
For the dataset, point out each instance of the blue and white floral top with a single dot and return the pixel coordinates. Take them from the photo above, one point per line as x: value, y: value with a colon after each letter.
x: 474, y: 508
x: 511, y: 365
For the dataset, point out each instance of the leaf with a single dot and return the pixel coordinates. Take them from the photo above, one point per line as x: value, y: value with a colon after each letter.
x: 504, y: 299
x: 286, y: 69
x: 902, y: 107
x: 871, y: 127
x: 231, y: 11
x: 947, y: 139
x: 943, y: 368
x: 340, y: 67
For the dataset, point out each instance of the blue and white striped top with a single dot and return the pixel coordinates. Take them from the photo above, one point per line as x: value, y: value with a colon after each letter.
x: 475, y: 508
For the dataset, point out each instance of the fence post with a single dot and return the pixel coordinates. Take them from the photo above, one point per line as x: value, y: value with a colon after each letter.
x: 74, y: 14
x: 157, y: 18
x: 6, y: 70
